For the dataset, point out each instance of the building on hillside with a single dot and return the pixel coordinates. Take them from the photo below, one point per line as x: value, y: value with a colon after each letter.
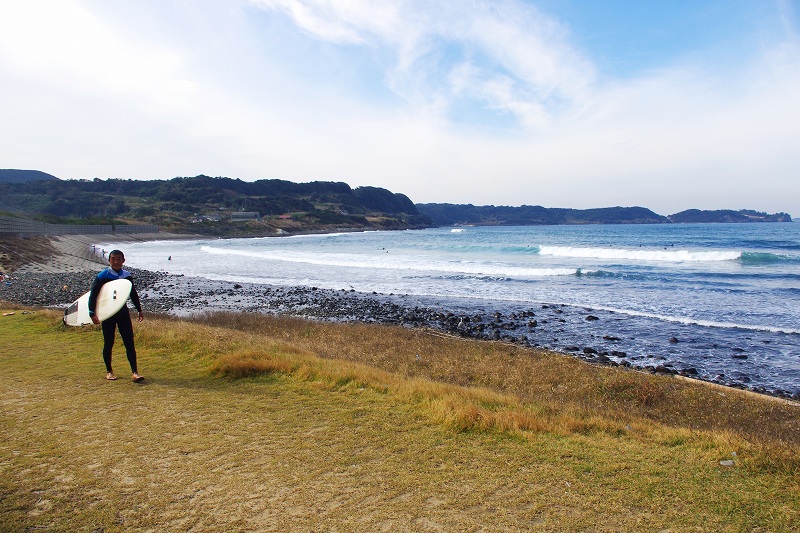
x: 244, y: 216
x: 208, y: 217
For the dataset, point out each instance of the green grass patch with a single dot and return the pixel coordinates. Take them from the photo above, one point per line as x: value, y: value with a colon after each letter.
x: 261, y: 429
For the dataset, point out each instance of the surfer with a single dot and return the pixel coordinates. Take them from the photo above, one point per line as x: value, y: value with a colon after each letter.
x: 121, y: 320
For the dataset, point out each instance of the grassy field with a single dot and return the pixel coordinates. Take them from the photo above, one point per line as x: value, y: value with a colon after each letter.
x: 250, y: 423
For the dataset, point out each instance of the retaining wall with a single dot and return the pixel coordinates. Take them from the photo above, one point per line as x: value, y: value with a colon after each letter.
x: 23, y: 228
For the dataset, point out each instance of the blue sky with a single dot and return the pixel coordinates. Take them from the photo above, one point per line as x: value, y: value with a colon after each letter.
x: 666, y: 104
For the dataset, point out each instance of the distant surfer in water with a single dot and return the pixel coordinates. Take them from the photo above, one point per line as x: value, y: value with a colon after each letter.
x: 121, y: 320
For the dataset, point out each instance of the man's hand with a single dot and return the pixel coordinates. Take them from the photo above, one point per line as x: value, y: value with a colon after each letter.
x: 141, y: 316
x: 95, y: 319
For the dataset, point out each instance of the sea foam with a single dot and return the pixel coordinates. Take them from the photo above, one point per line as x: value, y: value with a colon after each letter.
x: 386, y: 261
x: 676, y: 256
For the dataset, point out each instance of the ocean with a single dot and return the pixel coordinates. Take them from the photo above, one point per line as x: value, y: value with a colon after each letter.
x: 720, y: 299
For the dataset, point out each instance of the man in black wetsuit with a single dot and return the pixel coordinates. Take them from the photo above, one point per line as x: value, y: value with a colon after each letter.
x: 121, y: 320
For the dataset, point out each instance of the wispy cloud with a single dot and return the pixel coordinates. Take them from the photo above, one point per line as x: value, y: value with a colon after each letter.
x: 338, y: 22
x: 503, y: 55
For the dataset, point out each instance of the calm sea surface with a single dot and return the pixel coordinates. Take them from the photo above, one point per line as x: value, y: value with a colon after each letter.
x: 729, y: 293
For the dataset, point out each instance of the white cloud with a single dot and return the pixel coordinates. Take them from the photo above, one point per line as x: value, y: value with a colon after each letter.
x: 478, y: 102
x: 62, y: 42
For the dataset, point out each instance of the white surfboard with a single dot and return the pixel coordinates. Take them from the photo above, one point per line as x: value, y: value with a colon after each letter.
x: 112, y: 297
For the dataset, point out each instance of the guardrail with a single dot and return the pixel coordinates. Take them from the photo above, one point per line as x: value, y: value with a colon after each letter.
x: 24, y: 228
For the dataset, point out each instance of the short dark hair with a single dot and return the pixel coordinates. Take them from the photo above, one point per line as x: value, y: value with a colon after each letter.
x: 116, y: 252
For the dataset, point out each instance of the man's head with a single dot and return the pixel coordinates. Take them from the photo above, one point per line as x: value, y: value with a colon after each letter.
x: 116, y: 258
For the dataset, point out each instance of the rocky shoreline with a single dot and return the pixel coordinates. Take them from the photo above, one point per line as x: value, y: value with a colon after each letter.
x: 179, y: 295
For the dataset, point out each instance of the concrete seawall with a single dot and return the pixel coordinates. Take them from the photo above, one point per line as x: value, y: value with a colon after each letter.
x: 12, y: 227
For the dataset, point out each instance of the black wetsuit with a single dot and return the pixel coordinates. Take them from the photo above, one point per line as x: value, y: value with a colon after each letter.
x: 121, y: 320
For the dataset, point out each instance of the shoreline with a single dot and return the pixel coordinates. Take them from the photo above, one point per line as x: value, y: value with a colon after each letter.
x: 68, y: 273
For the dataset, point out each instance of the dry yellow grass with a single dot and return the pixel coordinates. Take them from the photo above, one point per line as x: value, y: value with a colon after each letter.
x: 558, y: 385
x: 298, y: 426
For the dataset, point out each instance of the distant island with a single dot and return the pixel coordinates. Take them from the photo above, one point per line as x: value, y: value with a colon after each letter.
x: 231, y: 207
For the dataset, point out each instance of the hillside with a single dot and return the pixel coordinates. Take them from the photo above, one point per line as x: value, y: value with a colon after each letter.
x: 218, y: 206
x: 450, y: 214
x: 727, y: 215
x: 489, y: 215
x: 231, y: 207
x: 12, y: 175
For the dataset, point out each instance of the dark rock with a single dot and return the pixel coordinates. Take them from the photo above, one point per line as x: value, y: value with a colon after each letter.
x: 592, y: 318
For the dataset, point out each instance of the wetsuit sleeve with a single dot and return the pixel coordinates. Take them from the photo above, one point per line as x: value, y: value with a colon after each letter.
x: 134, y: 295
x: 94, y: 292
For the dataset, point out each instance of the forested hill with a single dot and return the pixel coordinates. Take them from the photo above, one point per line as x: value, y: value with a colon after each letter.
x: 13, y: 175
x: 203, y: 204
x: 450, y: 214
x: 229, y: 207
x: 726, y: 215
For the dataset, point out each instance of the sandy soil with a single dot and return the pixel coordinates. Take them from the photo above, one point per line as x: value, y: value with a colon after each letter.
x: 65, y: 253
